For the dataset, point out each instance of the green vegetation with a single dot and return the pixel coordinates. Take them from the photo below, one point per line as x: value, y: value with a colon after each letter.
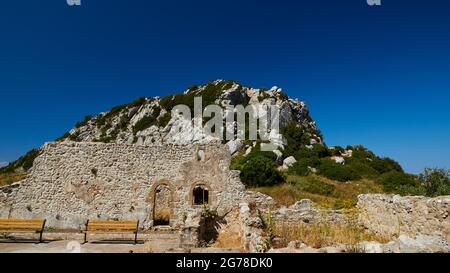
x: 257, y: 168
x: 297, y: 137
x: 436, y: 182
x: 84, y: 122
x: 210, y: 93
x: 322, y: 191
x: 335, y: 171
x: 431, y: 182
x: 312, y: 184
x: 147, y: 121
x: 260, y: 171
x: 400, y: 183
x: 263, y: 95
x: 164, y: 119
x: 25, y: 162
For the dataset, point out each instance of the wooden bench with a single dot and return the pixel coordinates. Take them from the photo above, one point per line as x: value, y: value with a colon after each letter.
x: 111, y: 227
x: 23, y: 226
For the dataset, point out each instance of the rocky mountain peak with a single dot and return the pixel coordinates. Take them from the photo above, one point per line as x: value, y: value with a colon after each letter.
x: 149, y: 121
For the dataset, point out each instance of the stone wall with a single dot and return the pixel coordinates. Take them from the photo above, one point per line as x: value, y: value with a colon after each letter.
x: 394, y: 215
x: 72, y: 182
x: 305, y: 211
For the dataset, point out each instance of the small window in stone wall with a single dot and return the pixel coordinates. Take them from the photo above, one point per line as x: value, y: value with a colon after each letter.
x: 200, y: 195
x: 201, y: 155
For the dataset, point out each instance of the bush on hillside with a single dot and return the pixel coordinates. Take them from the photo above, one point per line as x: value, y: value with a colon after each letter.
x: 381, y: 165
x: 335, y: 171
x: 147, y: 121
x: 25, y: 162
x: 84, y: 122
x: 337, y: 151
x: 362, y: 169
x: 384, y: 165
x: 312, y: 185
x: 238, y: 162
x: 164, y: 119
x: 400, y: 183
x: 297, y: 137
x: 435, y: 181
x: 301, y: 166
x: 259, y: 171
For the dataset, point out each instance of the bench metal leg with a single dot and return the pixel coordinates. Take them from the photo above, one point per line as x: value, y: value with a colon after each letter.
x: 135, y: 238
x: 85, y: 238
x: 40, y: 236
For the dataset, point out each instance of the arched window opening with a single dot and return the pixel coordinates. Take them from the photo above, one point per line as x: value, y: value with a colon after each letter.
x: 162, y: 210
x: 201, y: 195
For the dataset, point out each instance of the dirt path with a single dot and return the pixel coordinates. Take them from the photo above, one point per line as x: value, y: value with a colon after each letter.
x: 69, y: 247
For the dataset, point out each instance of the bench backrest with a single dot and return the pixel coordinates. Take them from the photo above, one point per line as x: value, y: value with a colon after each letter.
x: 93, y: 225
x: 21, y: 224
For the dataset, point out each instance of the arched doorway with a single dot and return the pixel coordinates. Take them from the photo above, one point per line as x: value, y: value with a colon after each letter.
x: 162, y: 205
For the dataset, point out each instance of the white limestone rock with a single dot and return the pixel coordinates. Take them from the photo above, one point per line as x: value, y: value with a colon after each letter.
x: 234, y: 145
x: 288, y: 162
x: 338, y: 159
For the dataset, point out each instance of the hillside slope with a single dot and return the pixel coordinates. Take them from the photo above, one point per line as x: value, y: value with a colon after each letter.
x: 301, y: 151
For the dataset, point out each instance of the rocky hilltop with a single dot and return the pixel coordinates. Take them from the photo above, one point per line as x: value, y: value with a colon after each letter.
x: 149, y: 120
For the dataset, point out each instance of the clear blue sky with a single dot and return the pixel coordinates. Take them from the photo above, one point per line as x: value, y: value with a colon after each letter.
x: 378, y: 76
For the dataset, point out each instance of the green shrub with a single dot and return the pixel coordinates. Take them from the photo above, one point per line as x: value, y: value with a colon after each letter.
x: 166, y: 102
x: 25, y: 162
x: 147, y: 121
x: 296, y: 138
x: 435, y: 181
x: 312, y: 185
x: 164, y: 119
x: 239, y: 161
x: 337, y: 151
x: 400, y: 183
x: 361, y: 169
x: 320, y: 151
x: 84, y: 122
x: 138, y: 102
x: 384, y: 165
x: 260, y: 171
x: 335, y: 171
x: 301, y: 166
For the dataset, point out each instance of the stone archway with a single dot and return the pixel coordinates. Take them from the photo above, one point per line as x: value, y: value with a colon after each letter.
x: 161, y: 200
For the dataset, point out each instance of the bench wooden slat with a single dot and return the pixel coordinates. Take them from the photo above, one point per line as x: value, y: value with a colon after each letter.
x: 112, y: 222
x: 19, y: 231
x: 110, y: 232
x: 21, y: 221
x: 111, y: 227
x: 23, y: 226
x: 30, y: 227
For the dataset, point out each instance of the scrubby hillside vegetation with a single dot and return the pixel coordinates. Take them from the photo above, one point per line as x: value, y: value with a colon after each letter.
x: 303, y: 166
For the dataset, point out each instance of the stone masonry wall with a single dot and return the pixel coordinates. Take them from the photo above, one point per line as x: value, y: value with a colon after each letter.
x: 72, y: 182
x: 411, y: 215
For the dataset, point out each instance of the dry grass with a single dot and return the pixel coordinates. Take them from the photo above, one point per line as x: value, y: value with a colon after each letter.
x: 343, y: 195
x: 230, y: 233
x: 162, y: 215
x: 322, y: 235
x: 9, y: 178
x: 229, y: 238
